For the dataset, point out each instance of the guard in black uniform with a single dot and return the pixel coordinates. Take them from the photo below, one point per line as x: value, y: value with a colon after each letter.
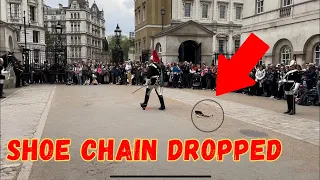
x: 291, y: 81
x: 153, y: 81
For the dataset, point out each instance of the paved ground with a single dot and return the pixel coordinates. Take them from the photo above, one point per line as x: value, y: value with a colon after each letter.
x: 11, y: 91
x: 113, y: 112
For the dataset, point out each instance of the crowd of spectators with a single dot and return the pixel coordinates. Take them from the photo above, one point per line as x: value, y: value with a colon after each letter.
x: 188, y: 75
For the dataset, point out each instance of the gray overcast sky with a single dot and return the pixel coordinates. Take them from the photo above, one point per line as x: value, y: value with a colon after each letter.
x: 115, y: 11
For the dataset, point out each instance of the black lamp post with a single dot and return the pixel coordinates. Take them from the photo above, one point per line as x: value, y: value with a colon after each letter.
x: 58, y: 42
x: 117, y: 32
x: 25, y: 49
x: 117, y: 52
x: 163, y: 12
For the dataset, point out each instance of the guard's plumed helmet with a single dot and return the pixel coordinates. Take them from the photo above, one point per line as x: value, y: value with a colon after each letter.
x: 155, y: 58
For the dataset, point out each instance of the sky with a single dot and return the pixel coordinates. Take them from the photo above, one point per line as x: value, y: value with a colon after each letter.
x: 115, y: 12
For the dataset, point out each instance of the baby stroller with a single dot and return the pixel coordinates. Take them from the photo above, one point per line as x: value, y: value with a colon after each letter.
x: 196, y: 81
x: 308, y: 97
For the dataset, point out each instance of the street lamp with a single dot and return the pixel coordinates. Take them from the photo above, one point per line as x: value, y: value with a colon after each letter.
x: 118, y: 31
x: 163, y: 12
x: 57, y: 50
x: 117, y: 52
x: 58, y: 28
x: 25, y: 50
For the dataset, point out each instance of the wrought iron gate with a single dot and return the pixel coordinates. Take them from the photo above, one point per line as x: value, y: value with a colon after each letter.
x: 47, y: 66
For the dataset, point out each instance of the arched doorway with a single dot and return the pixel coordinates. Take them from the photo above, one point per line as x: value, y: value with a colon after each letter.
x: 190, y: 51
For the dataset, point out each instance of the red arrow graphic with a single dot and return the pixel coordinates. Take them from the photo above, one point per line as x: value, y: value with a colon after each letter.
x: 233, y: 74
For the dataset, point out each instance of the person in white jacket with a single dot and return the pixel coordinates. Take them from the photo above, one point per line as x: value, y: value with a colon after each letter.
x: 260, y: 75
x: 128, y: 71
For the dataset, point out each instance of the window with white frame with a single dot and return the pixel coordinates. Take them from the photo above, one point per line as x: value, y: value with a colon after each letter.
x: 221, y: 45
x: 144, y: 13
x: 205, y: 10
x: 222, y: 11
x: 36, y: 35
x: 317, y: 54
x: 285, y: 55
x: 236, y: 45
x: 238, y: 12
x: 18, y: 36
x: 139, y: 15
x: 286, y: 3
x: 71, y: 27
x: 14, y: 10
x: 259, y: 6
x: 187, y: 9
x: 33, y: 13
x: 136, y: 18
x: 158, y: 48
x: 75, y: 52
x: 71, y: 15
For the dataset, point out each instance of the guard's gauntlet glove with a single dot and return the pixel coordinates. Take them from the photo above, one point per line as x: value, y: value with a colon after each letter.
x: 147, y: 82
x: 296, y: 88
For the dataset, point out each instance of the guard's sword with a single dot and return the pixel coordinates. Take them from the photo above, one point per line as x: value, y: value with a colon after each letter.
x: 139, y: 89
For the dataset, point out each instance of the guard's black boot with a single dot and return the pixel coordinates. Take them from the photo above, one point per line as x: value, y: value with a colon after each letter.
x: 288, y: 112
x: 292, y: 113
x: 145, y: 103
x: 1, y: 91
x: 162, y: 103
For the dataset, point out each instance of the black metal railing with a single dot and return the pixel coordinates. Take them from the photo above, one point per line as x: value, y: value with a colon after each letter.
x: 52, y: 61
x: 285, y: 12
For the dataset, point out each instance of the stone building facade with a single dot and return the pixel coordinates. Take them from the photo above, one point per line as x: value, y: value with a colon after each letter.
x: 199, y: 30
x: 148, y: 22
x: 84, y: 27
x: 12, y: 14
x: 290, y: 28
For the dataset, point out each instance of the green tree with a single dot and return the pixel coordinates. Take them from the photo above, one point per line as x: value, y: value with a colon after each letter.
x: 125, y: 44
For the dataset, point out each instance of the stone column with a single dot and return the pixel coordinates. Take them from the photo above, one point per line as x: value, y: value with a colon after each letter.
x: 230, y: 8
x: 230, y: 42
x: 214, y: 42
x: 214, y: 12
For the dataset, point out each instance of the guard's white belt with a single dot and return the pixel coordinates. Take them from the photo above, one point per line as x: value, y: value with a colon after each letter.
x: 154, y: 77
x: 290, y: 81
